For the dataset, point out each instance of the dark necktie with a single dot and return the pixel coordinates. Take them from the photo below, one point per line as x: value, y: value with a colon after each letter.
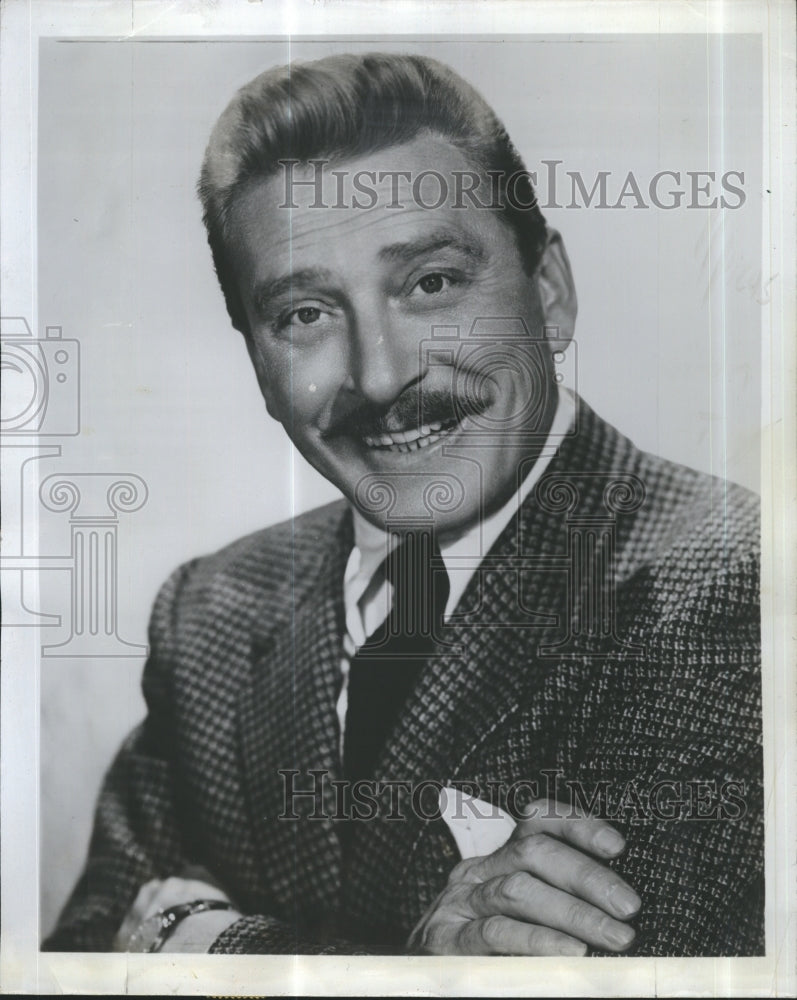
x: 384, y: 669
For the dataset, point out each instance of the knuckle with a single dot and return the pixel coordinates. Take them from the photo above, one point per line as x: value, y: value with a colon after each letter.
x: 578, y: 916
x: 430, y: 937
x: 491, y: 894
x: 532, y: 809
x: 595, y: 880
x: 490, y: 929
x: 523, y: 848
x: 457, y: 897
x: 515, y: 887
x: 467, y: 939
x: 537, y: 941
x: 461, y: 872
x: 533, y: 847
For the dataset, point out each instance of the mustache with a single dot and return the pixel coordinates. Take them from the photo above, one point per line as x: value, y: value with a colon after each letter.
x: 413, y: 408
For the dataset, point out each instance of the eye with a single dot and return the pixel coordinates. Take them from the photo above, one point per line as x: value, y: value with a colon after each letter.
x: 307, y: 315
x: 311, y: 318
x: 433, y: 283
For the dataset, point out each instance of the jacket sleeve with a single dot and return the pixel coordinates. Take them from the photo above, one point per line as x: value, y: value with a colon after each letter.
x: 137, y: 833
x: 263, y: 935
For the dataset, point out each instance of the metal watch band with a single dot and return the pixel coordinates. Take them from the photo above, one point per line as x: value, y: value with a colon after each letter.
x: 171, y: 916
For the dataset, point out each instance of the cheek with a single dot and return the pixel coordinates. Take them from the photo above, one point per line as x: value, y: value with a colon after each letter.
x: 506, y: 291
x: 298, y: 386
x: 522, y: 299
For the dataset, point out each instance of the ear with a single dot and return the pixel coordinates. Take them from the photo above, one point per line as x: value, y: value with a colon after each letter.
x: 557, y: 290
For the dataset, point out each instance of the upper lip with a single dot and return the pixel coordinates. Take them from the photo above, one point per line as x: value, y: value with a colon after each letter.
x: 404, y: 424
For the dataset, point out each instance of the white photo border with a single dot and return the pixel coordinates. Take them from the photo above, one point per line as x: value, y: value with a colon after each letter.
x: 22, y: 967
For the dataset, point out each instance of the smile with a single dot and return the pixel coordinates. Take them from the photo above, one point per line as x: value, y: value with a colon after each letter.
x: 412, y: 439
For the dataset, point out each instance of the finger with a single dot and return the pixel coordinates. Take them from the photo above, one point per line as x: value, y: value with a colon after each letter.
x: 523, y: 897
x: 143, y: 901
x: 570, y: 823
x: 499, y: 935
x: 198, y: 872
x: 136, y: 914
x: 562, y: 867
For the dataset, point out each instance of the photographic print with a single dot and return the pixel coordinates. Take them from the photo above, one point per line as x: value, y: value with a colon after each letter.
x: 395, y: 562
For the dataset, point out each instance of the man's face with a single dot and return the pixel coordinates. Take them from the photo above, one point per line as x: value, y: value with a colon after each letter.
x: 342, y: 304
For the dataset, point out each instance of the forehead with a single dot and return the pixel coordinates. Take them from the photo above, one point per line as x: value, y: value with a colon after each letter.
x: 361, y: 205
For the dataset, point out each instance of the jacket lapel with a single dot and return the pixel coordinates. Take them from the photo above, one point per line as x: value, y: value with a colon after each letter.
x: 528, y: 601
x: 288, y: 723
x: 465, y: 695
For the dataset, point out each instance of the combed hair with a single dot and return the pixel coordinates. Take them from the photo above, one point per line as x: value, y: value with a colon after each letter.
x: 345, y: 106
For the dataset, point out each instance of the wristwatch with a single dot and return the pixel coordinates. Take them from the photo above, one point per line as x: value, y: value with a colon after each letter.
x: 154, y: 931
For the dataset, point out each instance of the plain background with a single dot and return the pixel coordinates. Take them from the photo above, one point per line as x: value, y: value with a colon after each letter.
x: 668, y: 337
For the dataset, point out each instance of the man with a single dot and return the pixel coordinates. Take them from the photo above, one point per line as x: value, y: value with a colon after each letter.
x: 512, y: 600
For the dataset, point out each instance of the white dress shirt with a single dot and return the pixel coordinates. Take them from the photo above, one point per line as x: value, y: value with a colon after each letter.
x: 367, y: 606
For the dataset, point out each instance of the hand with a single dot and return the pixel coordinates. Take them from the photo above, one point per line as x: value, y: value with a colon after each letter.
x: 192, y: 934
x: 539, y: 894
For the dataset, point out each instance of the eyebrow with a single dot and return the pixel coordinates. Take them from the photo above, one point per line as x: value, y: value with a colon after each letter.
x: 405, y: 253
x: 266, y: 290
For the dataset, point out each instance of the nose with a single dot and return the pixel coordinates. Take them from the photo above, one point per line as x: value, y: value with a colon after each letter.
x: 384, y: 353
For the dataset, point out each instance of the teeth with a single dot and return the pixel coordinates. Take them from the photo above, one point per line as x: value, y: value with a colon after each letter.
x: 410, y: 440
x: 405, y: 437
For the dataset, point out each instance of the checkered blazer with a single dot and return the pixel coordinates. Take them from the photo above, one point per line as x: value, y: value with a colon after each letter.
x: 609, y: 644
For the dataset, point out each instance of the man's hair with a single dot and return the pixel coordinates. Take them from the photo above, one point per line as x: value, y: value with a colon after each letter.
x: 346, y: 106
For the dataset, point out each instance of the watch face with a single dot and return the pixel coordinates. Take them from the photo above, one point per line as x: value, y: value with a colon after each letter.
x: 146, y: 934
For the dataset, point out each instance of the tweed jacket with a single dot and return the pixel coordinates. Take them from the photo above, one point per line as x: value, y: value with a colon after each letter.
x: 606, y: 649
